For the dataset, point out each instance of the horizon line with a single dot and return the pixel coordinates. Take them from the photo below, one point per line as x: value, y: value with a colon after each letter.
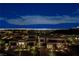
x: 31, y: 29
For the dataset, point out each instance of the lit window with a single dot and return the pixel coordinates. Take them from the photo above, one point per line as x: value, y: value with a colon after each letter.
x: 49, y: 46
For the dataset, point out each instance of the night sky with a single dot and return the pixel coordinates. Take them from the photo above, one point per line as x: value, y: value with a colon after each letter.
x: 59, y: 16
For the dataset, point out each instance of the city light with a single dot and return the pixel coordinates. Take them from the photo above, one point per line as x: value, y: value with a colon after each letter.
x: 36, y: 42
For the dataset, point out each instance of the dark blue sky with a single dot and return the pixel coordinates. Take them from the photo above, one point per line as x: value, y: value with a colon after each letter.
x: 37, y: 9
x: 13, y: 11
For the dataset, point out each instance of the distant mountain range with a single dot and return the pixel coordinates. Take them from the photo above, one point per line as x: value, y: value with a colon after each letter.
x: 68, y: 31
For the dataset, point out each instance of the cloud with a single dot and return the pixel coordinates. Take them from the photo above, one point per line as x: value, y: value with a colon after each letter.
x: 30, y: 20
x: 1, y: 18
x: 76, y: 12
x: 38, y: 19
